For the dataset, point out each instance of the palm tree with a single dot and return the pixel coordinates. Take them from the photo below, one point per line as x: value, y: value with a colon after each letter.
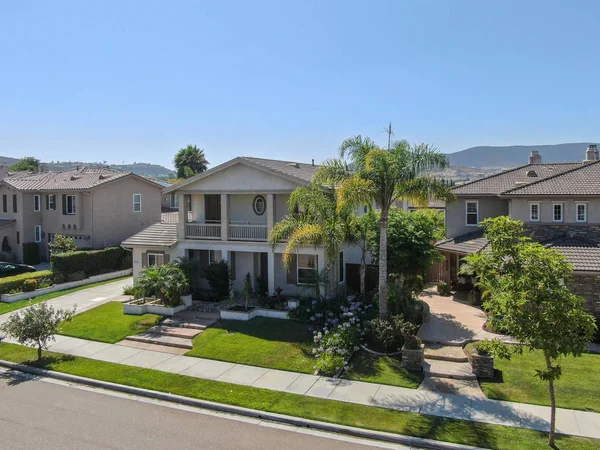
x: 367, y: 174
x: 320, y: 223
x: 190, y: 161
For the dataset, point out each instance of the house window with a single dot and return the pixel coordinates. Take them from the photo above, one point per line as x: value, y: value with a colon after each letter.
x: 36, y: 202
x: 137, y: 202
x: 4, y: 203
x: 534, y: 212
x: 37, y: 233
x: 557, y: 212
x: 51, y: 202
x: 472, y: 210
x: 18, y: 238
x: 14, y: 203
x: 69, y: 204
x: 581, y: 212
x: 174, y: 201
x: 259, y: 205
x: 212, y: 257
x: 156, y: 259
x: 307, y: 264
x: 341, y: 267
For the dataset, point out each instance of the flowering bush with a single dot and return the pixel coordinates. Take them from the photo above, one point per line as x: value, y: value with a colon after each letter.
x: 388, y: 335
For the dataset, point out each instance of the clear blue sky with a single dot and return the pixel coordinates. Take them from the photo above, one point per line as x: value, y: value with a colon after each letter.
x: 137, y: 80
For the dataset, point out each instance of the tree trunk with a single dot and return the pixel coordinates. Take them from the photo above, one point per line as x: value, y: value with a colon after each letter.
x: 363, y: 271
x: 39, y: 352
x: 383, y: 224
x: 552, y: 402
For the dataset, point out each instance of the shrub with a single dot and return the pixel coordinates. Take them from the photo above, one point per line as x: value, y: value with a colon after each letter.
x: 492, y: 347
x: 443, y: 288
x: 92, y: 262
x: 387, y: 335
x: 30, y: 285
x: 31, y: 253
x: 76, y: 276
x: 334, y: 348
x: 8, y: 257
x: 261, y: 287
x: 412, y: 342
x: 15, y: 283
x: 130, y: 290
x: 596, y: 339
x: 218, y: 277
x: 329, y: 364
x: 167, y: 282
x: 62, y: 244
x: 36, y: 325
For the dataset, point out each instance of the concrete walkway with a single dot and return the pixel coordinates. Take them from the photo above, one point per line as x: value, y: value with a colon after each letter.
x: 578, y: 423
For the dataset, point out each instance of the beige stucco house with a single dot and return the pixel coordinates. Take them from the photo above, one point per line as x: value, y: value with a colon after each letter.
x: 96, y: 206
x: 226, y: 213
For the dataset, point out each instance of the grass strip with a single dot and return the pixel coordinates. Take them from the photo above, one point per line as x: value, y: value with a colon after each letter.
x: 9, y: 307
x: 371, y: 368
x: 430, y: 427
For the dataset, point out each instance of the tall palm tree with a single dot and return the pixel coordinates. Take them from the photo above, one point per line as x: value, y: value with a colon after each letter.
x: 190, y: 161
x: 319, y: 222
x: 367, y: 174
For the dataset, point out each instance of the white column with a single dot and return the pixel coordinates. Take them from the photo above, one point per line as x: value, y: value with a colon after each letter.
x: 270, y: 212
x: 182, y: 217
x: 271, y: 271
x: 224, y: 217
x: 225, y: 255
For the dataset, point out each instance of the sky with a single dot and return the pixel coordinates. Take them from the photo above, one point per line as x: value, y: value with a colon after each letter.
x: 125, y: 81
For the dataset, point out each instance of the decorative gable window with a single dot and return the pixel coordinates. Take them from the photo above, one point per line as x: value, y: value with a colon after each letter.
x: 557, y: 212
x: 36, y: 202
x: 534, y: 212
x: 137, y: 202
x: 472, y: 212
x: 581, y: 212
x: 259, y: 205
x: 307, y: 264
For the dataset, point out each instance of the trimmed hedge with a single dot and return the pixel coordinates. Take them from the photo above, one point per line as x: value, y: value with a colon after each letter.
x: 92, y: 262
x: 17, y: 282
x: 31, y: 253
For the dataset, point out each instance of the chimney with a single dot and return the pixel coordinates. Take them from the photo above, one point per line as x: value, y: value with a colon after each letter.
x: 591, y: 154
x: 313, y: 162
x: 535, y: 157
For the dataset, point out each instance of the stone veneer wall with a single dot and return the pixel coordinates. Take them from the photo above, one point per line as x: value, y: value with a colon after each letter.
x: 544, y: 232
x: 588, y: 287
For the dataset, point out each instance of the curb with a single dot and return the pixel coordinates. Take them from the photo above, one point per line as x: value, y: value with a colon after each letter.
x: 237, y: 410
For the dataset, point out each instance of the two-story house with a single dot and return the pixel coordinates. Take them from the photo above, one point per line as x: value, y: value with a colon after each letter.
x: 97, y: 207
x: 559, y: 204
x: 226, y: 213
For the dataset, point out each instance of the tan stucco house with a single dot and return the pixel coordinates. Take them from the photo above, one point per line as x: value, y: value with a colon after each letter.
x: 98, y: 207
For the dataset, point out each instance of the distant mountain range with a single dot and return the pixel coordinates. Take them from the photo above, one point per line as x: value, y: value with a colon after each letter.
x: 516, y: 155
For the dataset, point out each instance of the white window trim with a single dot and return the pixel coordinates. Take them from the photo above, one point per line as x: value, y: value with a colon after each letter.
x: 37, y: 207
x: 135, y: 203
x: 539, y: 211
x: 585, y: 210
x: 305, y: 268
x: 562, y: 212
x: 343, y: 266
x: 51, y: 202
x: 174, y: 200
x: 37, y: 233
x: 156, y: 256
x: 467, y: 213
x: 73, y: 210
x: 212, y: 257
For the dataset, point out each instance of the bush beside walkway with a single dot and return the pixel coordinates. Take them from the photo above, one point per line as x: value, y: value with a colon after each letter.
x: 431, y: 427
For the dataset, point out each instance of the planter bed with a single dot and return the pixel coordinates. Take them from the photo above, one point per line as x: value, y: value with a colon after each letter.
x: 10, y: 298
x: 152, y: 306
x: 228, y: 314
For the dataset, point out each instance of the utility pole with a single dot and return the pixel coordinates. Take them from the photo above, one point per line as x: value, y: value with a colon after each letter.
x: 390, y: 133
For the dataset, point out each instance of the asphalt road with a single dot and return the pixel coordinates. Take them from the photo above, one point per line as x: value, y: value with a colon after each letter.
x: 53, y: 415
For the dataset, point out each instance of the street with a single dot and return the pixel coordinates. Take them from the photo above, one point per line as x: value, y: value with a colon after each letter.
x: 53, y: 415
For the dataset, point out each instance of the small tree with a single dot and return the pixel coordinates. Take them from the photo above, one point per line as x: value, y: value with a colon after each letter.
x: 27, y: 164
x: 247, y: 292
x: 36, y: 325
x: 525, y: 282
x: 62, y: 244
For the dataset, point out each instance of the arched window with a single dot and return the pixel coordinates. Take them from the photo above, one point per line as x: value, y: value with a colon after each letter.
x: 259, y: 205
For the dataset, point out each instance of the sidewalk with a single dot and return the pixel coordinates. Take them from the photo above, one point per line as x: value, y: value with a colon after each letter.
x: 571, y: 422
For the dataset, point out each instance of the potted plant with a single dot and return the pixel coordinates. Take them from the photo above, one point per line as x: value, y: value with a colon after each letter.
x: 413, y: 354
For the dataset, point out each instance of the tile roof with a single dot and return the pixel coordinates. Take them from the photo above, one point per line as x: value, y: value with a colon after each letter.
x: 583, y: 253
x: 158, y: 235
x: 294, y: 169
x: 498, y: 183
x: 86, y: 178
x: 582, y: 180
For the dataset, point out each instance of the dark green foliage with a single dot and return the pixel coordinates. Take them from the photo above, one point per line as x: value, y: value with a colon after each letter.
x: 92, y: 262
x: 190, y: 161
x: 412, y: 342
x: 62, y: 244
x: 261, y: 287
x: 388, y: 335
x: 31, y: 253
x: 30, y: 285
x: 16, y: 282
x: 443, y: 288
x: 218, y: 277
x: 596, y: 339
x: 193, y: 272
x: 76, y: 276
x: 27, y: 164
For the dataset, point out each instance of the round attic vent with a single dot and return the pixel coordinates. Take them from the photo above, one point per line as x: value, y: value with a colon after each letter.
x: 531, y: 173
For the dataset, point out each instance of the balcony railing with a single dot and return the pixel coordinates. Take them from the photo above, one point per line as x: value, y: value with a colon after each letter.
x: 203, y: 230
x: 247, y: 232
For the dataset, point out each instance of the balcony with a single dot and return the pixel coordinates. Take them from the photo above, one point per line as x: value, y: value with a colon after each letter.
x: 238, y: 231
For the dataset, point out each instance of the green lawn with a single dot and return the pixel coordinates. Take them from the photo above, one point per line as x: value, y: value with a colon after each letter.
x: 8, y: 307
x: 273, y: 343
x: 451, y: 430
x: 107, y: 323
x: 515, y: 381
x: 381, y: 369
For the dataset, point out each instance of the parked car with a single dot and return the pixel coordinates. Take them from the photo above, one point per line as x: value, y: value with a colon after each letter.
x: 10, y: 269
